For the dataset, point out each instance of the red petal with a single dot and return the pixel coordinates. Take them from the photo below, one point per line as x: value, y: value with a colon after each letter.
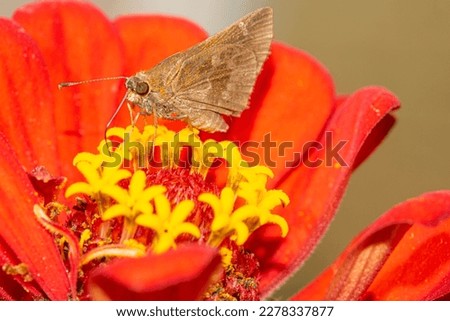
x: 14, y: 287
x: 419, y: 267
x: 374, y: 139
x: 181, y: 274
x: 150, y: 39
x: 26, y: 113
x: 78, y: 43
x: 5, y: 289
x: 292, y: 100
x: 412, y: 258
x: 316, y: 191
x: 20, y: 230
x: 376, y: 136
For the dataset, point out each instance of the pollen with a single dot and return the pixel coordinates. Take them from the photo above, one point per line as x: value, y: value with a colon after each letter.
x: 150, y: 191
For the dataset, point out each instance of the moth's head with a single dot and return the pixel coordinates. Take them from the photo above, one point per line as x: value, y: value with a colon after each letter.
x: 137, y: 85
x: 137, y: 90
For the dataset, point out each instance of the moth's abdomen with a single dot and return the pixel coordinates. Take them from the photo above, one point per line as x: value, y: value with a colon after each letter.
x: 208, y: 121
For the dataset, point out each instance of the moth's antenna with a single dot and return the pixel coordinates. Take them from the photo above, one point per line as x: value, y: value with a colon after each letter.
x: 76, y: 83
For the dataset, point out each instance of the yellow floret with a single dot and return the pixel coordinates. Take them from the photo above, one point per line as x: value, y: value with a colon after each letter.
x: 168, y: 224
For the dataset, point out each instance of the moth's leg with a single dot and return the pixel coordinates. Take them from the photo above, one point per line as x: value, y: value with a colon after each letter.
x: 136, y: 117
x: 130, y: 110
x: 155, y: 119
x: 133, y: 118
x: 155, y: 126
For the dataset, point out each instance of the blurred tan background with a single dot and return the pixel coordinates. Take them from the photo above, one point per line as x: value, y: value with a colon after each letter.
x: 403, y: 45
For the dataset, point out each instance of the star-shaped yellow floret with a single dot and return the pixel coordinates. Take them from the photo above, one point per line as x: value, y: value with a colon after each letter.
x: 131, y: 134
x: 163, y: 135
x: 98, y: 179
x: 240, y: 223
x: 190, y: 137
x: 234, y: 160
x: 227, y: 222
x: 135, y: 201
x: 168, y: 224
x: 134, y: 147
x: 264, y: 203
x: 252, y: 182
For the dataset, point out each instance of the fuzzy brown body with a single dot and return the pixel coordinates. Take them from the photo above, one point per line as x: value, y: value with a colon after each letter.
x: 208, y: 80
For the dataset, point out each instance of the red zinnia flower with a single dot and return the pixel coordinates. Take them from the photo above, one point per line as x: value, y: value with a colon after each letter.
x: 58, y: 258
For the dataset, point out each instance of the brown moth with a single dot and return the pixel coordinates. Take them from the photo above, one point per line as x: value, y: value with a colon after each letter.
x: 204, y: 82
x: 208, y: 80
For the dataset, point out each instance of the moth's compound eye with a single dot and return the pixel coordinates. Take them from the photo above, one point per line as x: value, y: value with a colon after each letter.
x: 137, y: 85
x: 142, y: 88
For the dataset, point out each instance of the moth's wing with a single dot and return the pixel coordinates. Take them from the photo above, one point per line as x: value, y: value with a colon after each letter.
x: 254, y: 31
x: 207, y: 120
x: 219, y: 74
x: 222, y: 83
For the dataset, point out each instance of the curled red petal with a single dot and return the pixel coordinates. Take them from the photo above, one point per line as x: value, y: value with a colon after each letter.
x: 419, y: 267
x: 78, y: 43
x: 411, y: 238
x: 376, y: 136
x: 45, y: 184
x: 181, y: 274
x: 374, y: 139
x: 21, y: 232
x: 26, y: 113
x: 316, y: 187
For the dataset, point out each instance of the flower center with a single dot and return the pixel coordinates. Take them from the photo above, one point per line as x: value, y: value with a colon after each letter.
x: 182, y: 184
x: 152, y: 191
